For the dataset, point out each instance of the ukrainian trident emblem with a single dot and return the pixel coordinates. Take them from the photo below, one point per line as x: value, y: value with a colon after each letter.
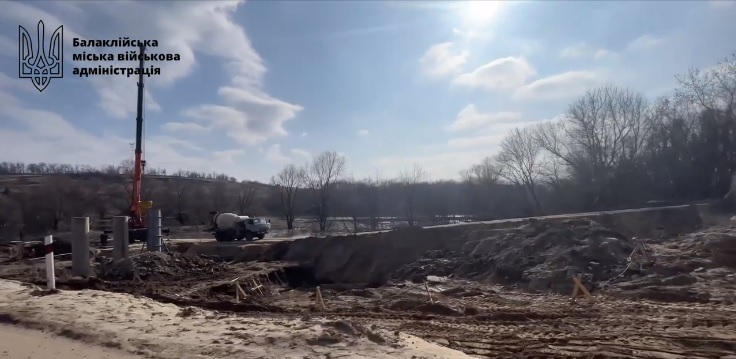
x: 45, y: 63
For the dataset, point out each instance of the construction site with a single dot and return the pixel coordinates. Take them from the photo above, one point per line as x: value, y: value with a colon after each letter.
x: 635, y: 283
x: 649, y: 283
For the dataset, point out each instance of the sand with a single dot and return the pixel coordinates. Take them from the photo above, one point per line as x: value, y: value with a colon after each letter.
x: 148, y: 328
x: 32, y: 344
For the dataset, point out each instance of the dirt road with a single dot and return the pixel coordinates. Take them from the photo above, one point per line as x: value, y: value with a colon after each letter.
x: 32, y: 344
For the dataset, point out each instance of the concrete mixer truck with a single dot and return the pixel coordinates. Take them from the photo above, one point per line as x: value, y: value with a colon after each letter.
x: 232, y: 227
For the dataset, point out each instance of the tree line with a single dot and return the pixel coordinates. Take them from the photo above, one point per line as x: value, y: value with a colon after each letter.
x: 613, y: 148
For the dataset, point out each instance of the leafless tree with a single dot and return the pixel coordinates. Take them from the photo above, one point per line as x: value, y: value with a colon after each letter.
x: 246, y: 195
x: 324, y: 170
x: 521, y: 163
x: 410, y: 178
x: 288, y: 182
x: 711, y: 89
x: 485, y: 172
x: 603, y: 131
x: 219, y: 197
x: 372, y: 198
x: 179, y: 187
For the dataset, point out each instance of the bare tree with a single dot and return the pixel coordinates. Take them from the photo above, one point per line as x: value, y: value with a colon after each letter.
x: 712, y: 89
x: 180, y: 190
x: 603, y: 131
x: 372, y: 198
x: 287, y: 183
x: 410, y: 180
x: 324, y: 170
x: 520, y: 162
x: 485, y: 172
x: 219, y: 197
x: 246, y: 195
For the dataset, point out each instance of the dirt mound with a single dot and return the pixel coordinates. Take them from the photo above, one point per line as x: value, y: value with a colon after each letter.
x: 540, y: 255
x: 158, y: 266
x: 724, y: 251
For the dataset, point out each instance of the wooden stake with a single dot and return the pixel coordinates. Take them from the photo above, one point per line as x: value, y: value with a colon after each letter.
x: 579, y: 287
x: 256, y: 286
x: 426, y: 287
x: 320, y: 300
x: 239, y: 293
x: 136, y: 277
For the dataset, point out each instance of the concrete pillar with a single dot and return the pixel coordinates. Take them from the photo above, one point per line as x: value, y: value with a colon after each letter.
x: 120, y: 237
x: 154, y: 230
x: 80, y: 246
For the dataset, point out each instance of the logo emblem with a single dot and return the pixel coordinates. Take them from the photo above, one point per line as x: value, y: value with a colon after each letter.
x: 41, y: 65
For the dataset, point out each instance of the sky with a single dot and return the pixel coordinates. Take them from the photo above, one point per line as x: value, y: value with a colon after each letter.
x: 261, y: 84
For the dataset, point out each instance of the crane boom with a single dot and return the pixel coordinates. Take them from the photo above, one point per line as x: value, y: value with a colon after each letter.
x: 136, y: 213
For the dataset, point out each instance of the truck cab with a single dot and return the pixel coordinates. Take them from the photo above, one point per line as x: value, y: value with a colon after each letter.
x: 257, y: 227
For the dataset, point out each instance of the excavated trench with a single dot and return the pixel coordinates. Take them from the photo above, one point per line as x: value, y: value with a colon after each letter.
x: 373, y: 260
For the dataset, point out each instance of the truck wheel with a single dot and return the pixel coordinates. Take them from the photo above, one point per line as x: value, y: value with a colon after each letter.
x: 249, y: 236
x: 260, y: 236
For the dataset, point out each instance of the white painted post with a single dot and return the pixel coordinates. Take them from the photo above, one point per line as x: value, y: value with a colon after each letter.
x: 48, y: 244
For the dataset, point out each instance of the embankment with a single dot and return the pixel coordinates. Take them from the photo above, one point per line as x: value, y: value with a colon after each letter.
x: 372, y: 258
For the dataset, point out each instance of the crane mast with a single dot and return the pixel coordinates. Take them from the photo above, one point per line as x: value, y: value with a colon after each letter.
x: 136, y: 221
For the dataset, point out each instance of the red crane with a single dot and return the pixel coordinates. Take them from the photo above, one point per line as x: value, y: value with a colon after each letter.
x: 136, y: 223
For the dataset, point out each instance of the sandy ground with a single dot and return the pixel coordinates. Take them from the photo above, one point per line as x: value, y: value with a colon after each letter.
x: 148, y: 328
x: 32, y: 344
x: 182, y: 305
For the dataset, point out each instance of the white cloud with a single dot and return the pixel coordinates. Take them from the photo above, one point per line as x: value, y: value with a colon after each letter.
x: 583, y: 50
x: 559, y: 87
x: 8, y: 47
x: 443, y: 60
x: 443, y: 164
x: 251, y: 117
x: 301, y: 153
x: 490, y: 142
x: 304, y: 134
x: 189, y: 29
x: 469, y: 118
x: 184, y: 127
x: 364, y: 133
x: 472, y: 34
x: 722, y: 4
x: 603, y: 53
x: 644, y: 42
x: 273, y: 153
x: 490, y: 139
x: 228, y: 156
x: 43, y: 136
x: 503, y: 73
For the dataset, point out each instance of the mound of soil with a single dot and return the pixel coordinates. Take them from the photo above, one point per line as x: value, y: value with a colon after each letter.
x: 158, y: 266
x: 540, y: 256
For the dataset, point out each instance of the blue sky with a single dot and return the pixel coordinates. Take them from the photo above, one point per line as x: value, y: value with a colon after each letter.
x: 388, y: 84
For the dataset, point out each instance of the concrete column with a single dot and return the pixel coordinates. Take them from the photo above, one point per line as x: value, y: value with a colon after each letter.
x: 154, y: 230
x: 80, y: 246
x: 120, y: 237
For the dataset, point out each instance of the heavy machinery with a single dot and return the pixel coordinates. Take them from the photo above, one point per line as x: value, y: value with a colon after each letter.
x: 230, y: 227
x: 137, y: 222
x: 137, y: 229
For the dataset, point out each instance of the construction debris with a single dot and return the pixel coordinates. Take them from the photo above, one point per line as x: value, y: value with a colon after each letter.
x: 158, y: 266
x: 540, y: 256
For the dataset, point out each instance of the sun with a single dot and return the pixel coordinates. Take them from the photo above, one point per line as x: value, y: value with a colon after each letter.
x: 476, y: 14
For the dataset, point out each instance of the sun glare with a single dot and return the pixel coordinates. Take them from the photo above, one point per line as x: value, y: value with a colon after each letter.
x: 479, y: 13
